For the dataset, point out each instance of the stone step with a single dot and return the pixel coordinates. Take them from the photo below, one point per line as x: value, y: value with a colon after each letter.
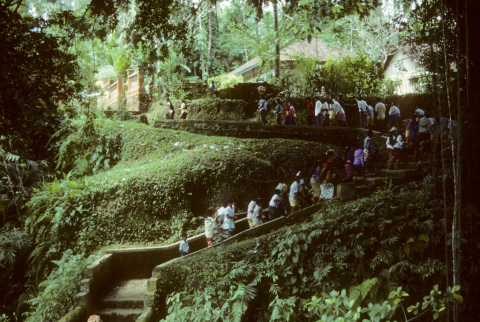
x: 126, y: 294
x: 401, y: 166
x: 110, y: 303
x: 119, y: 315
x: 395, y: 173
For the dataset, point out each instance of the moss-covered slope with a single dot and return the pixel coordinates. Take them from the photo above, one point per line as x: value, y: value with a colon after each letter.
x: 161, y: 183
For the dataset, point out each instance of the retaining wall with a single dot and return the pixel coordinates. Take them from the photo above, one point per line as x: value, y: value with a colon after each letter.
x: 330, y: 135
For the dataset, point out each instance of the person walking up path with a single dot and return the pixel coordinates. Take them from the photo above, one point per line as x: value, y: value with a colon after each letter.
x: 293, y: 195
x: 278, y: 111
x: 293, y: 112
x: 395, y: 115
x: 288, y: 114
x: 272, y: 205
x: 349, y: 158
x: 362, y: 110
x: 229, y: 222
x: 339, y: 114
x: 380, y: 109
x: 358, y: 164
x: 370, y: 152
x: 250, y: 209
x: 257, y: 213
x: 370, y: 117
x: 183, y: 248
x: 318, y: 112
x: 263, y: 110
x: 310, y: 112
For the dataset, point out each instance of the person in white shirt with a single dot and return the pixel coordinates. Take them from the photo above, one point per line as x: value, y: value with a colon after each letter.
x: 380, y: 109
x: 272, y: 205
x: 398, y: 148
x: 394, y: 113
x: 229, y: 222
x: 250, y: 209
x: 362, y: 110
x: 370, y: 117
x: 331, y: 112
x: 339, y: 113
x: 293, y: 195
x: 419, y: 113
x: 257, y: 213
x: 283, y: 188
x: 220, y: 214
x: 390, y: 143
x: 318, y: 112
x: 325, y: 115
x: 183, y: 248
x: 209, y: 229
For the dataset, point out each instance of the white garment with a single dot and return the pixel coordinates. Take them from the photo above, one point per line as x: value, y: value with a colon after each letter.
x: 362, y: 106
x: 399, y: 144
x: 250, y: 208
x: 209, y: 227
x: 394, y: 110
x: 301, y: 186
x: 338, y: 108
x: 431, y: 128
x: 419, y: 112
x: 380, y: 109
x: 229, y: 223
x: 257, y: 215
x: 221, y: 213
x: 294, y: 188
x: 184, y: 246
x: 272, y: 202
x: 325, y: 108
x: 318, y: 108
x: 371, y: 115
x: 389, y: 144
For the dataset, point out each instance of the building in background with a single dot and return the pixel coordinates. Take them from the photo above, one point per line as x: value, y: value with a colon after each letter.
x: 404, y: 70
x: 257, y: 70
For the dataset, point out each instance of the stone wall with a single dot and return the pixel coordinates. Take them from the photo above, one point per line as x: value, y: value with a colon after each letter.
x: 328, y: 135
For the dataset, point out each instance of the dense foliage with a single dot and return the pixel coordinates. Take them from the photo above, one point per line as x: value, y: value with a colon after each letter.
x: 370, y: 247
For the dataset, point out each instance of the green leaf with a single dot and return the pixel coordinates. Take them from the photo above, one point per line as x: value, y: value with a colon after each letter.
x: 458, y: 297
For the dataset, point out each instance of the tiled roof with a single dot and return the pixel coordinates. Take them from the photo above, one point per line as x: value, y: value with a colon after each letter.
x: 317, y: 48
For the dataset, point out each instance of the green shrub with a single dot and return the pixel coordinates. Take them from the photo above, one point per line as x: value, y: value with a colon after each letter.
x: 57, y: 292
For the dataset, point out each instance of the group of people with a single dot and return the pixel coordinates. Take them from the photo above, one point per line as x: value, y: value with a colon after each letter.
x: 419, y: 132
x: 171, y: 113
x: 327, y: 112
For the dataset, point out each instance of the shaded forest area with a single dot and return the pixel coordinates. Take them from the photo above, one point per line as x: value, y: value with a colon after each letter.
x: 54, y: 52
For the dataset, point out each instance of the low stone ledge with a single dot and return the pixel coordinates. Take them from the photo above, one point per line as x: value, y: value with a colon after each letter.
x: 244, y: 129
x: 78, y: 314
x: 83, y: 299
x: 96, y: 267
x: 147, y: 315
x: 85, y: 284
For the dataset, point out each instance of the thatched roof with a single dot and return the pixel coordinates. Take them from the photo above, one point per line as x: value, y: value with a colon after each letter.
x: 317, y: 49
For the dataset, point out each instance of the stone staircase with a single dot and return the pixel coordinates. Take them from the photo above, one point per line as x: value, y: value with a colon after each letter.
x: 129, y: 296
x: 128, y: 300
x: 124, y: 303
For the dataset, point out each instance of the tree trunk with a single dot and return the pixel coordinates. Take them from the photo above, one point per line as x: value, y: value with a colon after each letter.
x: 209, y: 48
x: 277, y: 44
x: 456, y: 182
